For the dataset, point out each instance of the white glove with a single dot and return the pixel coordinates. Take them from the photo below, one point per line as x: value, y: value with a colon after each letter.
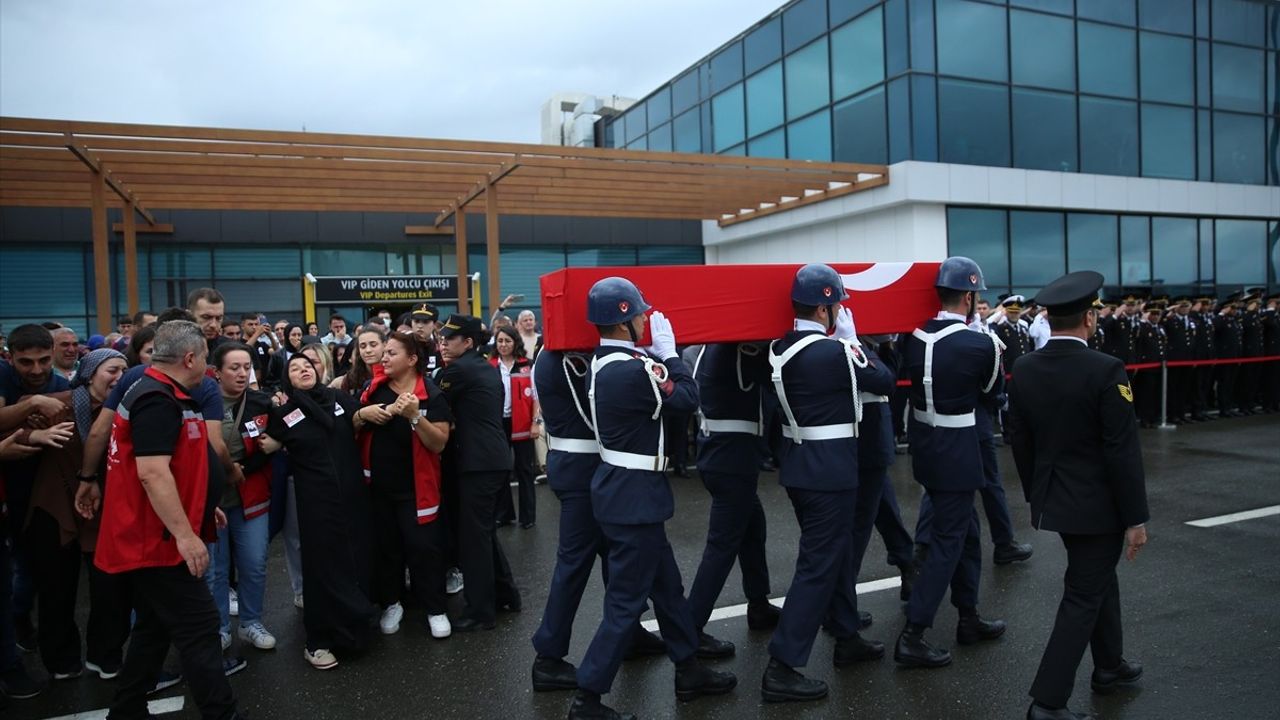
x: 662, y: 337
x: 844, y: 326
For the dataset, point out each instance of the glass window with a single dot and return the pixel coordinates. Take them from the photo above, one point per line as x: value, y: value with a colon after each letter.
x: 899, y: 120
x: 684, y: 91
x: 921, y: 13
x: 32, y: 287
x: 1241, y: 252
x: 1043, y: 50
x: 1037, y: 252
x: 1092, y: 244
x: 772, y: 145
x: 1108, y: 60
x: 640, y: 144
x: 1206, y: 252
x: 1237, y: 78
x: 1168, y: 142
x: 1135, y: 250
x: 973, y: 123
x: 182, y: 261
x: 739, y: 150
x: 726, y: 67
x: 763, y: 45
x: 860, y: 129
x: 1044, y: 130
x: 670, y: 254
x: 271, y: 296
x: 1175, y: 16
x: 352, y: 260
x: 1168, y: 73
x: 972, y: 40
x: 803, y: 22
x: 807, y: 80
x: 1108, y: 136
x: 810, y: 138
x: 1116, y: 11
x: 897, y: 43
x: 707, y: 140
x: 924, y: 118
x: 688, y: 133
x: 601, y: 256
x: 1204, y: 146
x: 257, y: 262
x: 982, y: 236
x: 660, y: 138
x: 635, y: 124
x: 727, y: 118
x: 857, y: 55
x: 1062, y: 7
x: 1239, y: 21
x: 659, y: 105
x: 764, y: 100
x: 520, y: 268
x: 842, y: 10
x: 1237, y: 140
x: 1202, y: 73
x: 1173, y: 249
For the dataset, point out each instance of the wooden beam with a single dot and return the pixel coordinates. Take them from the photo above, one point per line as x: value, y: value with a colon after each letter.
x: 101, y: 264
x: 461, y: 203
x: 492, y: 245
x: 427, y: 230
x: 460, y: 247
x: 808, y: 200
x: 94, y: 164
x: 157, y: 229
x: 131, y: 257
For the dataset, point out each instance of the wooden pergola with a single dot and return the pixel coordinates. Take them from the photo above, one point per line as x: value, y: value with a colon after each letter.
x: 141, y: 168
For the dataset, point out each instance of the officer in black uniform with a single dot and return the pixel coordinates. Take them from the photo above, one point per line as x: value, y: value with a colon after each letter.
x: 1270, y: 390
x: 953, y: 369
x: 631, y: 498
x: 424, y: 319
x: 1203, y: 349
x: 1249, y: 374
x: 1099, y: 337
x: 1076, y: 447
x: 731, y: 378
x: 1180, y: 333
x: 1151, y: 347
x: 1013, y: 331
x: 1230, y: 338
x: 818, y: 380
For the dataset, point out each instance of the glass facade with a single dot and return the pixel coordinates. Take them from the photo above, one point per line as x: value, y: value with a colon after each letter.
x: 1182, y: 89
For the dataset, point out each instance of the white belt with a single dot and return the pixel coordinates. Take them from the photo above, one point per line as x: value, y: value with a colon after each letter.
x: 944, y: 421
x: 573, y: 445
x: 633, y: 461
x: 838, y: 431
x: 748, y: 427
x: 873, y: 398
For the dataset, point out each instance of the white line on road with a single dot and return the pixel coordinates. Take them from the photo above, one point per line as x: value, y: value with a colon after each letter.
x: 1236, y: 517
x: 733, y: 611
x: 156, y: 707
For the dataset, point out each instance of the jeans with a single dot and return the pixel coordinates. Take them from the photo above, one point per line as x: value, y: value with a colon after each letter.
x: 250, y: 540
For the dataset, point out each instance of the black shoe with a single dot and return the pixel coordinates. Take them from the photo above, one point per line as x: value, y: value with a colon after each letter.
x: 645, y: 644
x: 587, y: 706
x: 1011, y: 552
x: 526, y: 526
x: 17, y: 684
x: 712, y: 649
x: 693, y: 680
x: 504, y: 523
x: 467, y: 624
x: 909, y: 575
x: 1040, y: 712
x: 233, y: 665
x: 551, y: 674
x: 1126, y: 673
x: 24, y: 633
x: 912, y: 650
x: 165, y: 681
x: 864, y: 619
x: 972, y: 629
x: 763, y: 615
x: 783, y: 684
x: 856, y: 649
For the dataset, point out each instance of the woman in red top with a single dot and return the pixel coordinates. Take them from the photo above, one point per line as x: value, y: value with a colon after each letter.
x: 368, y: 361
x: 522, y: 419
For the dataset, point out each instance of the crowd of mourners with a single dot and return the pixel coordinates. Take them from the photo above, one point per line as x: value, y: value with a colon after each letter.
x: 383, y: 454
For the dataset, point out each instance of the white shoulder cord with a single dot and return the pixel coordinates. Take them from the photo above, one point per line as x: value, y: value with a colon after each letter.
x: 569, y: 367
x: 855, y: 358
x: 656, y: 378
x: 995, y: 371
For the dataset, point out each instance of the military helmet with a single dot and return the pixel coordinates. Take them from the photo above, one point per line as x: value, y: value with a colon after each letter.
x: 614, y: 300
x: 817, y: 284
x: 960, y: 273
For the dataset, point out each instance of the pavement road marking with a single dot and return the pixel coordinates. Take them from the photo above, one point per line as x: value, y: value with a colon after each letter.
x: 162, y: 706
x: 1236, y: 517
x: 732, y: 611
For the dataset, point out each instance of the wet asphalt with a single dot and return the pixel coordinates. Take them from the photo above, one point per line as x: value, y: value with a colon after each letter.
x: 1201, y: 612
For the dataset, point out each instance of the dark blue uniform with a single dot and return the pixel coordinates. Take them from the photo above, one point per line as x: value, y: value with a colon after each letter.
x: 631, y: 506
x: 947, y: 459
x: 730, y: 381
x: 821, y: 478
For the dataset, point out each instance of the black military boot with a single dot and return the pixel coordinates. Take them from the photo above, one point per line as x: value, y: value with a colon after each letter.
x: 856, y: 649
x: 710, y: 648
x: 694, y: 680
x: 972, y: 628
x: 644, y: 644
x: 783, y: 684
x: 1127, y: 672
x: 1041, y: 712
x: 1011, y: 552
x: 912, y: 650
x: 587, y: 706
x: 553, y: 674
x: 762, y: 615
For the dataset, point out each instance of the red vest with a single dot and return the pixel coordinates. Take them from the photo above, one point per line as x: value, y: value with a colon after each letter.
x: 521, y: 398
x: 255, y: 491
x: 426, y: 464
x: 132, y: 536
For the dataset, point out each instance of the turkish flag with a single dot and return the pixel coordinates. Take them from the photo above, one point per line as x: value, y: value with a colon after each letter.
x: 739, y: 303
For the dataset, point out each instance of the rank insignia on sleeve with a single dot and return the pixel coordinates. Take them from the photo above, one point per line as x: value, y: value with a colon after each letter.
x: 1126, y: 392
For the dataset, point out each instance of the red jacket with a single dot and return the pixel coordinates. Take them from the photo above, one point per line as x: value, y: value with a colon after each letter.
x: 426, y: 464
x: 255, y: 491
x: 132, y: 536
x: 521, y: 398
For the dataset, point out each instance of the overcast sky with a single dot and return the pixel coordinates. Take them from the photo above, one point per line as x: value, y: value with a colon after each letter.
x: 474, y: 69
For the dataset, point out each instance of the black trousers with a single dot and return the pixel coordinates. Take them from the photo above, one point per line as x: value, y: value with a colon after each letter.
x: 399, y: 542
x: 1146, y: 395
x: 1204, y: 389
x: 173, y: 608
x: 736, y: 531
x: 1247, y: 380
x: 484, y: 566
x: 1226, y: 387
x: 1088, y: 615
x: 525, y: 457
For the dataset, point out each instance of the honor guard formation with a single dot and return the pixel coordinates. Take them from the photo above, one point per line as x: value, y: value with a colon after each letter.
x: 166, y: 456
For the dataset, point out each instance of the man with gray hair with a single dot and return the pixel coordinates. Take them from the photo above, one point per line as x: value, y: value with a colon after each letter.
x: 66, y: 352
x: 156, y: 521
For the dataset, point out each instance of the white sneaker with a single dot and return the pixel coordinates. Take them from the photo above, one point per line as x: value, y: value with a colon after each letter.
x: 297, y: 601
x: 258, y: 636
x: 390, y: 622
x: 440, y: 627
x: 226, y: 640
x: 235, y: 603
x: 453, y: 581
x: 320, y: 659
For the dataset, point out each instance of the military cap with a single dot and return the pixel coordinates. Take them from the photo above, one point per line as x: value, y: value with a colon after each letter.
x: 425, y: 311
x: 464, y: 325
x: 1072, y: 293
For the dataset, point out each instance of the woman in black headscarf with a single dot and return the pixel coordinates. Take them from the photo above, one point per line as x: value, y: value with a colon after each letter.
x: 314, y: 424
